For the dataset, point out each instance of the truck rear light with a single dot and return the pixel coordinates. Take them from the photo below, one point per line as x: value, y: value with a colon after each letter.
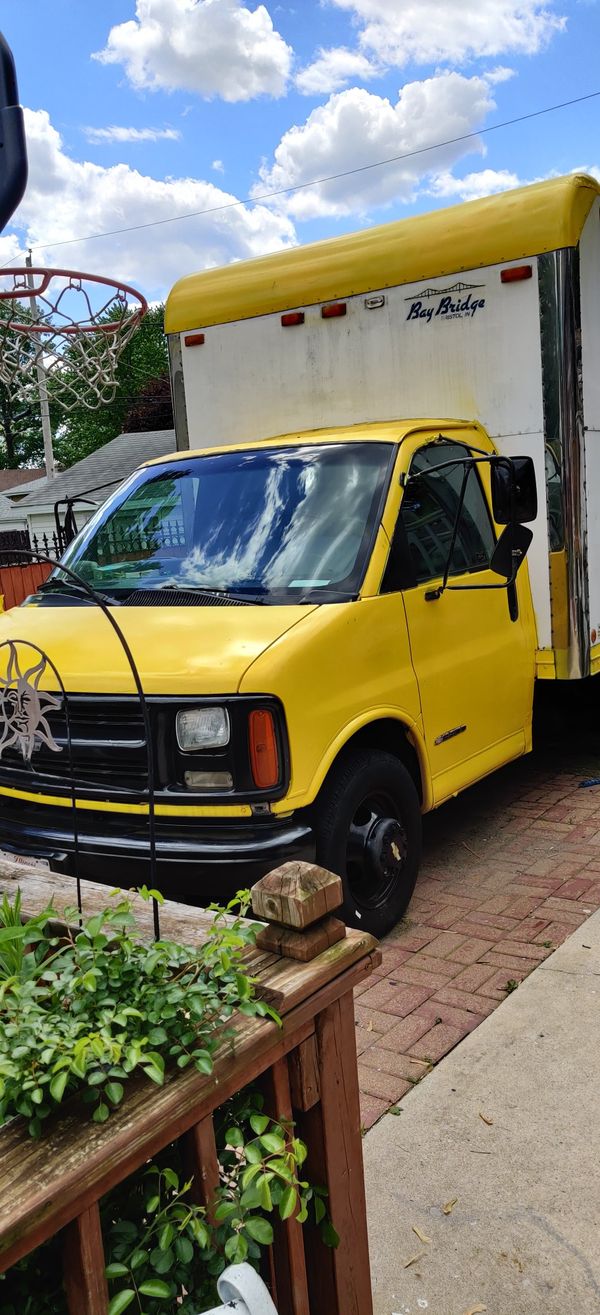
x: 194, y: 339
x: 264, y: 756
x: 292, y: 317
x: 332, y: 311
x: 516, y: 273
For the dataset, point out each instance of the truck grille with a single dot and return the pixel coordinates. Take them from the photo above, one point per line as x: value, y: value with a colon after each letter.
x: 108, y: 749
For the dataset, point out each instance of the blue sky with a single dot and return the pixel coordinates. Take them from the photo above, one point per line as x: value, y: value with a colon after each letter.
x: 138, y: 110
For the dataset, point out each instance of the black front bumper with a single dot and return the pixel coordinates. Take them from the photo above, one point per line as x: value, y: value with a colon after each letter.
x: 197, y: 858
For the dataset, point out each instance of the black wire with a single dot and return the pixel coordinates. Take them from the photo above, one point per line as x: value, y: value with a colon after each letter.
x: 316, y: 182
x: 96, y: 598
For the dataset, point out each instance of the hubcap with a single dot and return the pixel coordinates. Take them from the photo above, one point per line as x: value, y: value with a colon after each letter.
x: 376, y: 851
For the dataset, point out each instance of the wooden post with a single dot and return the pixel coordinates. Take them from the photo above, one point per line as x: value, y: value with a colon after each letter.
x: 289, y: 1266
x: 201, y: 1162
x: 296, y: 900
x: 84, y: 1264
x: 339, y: 1279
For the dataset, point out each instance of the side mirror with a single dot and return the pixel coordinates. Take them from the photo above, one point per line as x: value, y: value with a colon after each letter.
x: 13, y: 149
x: 510, y: 551
x: 514, y: 493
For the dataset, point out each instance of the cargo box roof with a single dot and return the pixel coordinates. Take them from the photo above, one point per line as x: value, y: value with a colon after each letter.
x: 509, y: 226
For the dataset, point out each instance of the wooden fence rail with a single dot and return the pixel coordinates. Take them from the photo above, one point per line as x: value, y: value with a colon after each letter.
x: 307, y: 1069
x: 17, y: 582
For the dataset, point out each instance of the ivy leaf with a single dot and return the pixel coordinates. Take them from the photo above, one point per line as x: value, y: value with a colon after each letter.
x: 259, y: 1123
x: 234, y: 1137
x: 121, y: 1301
x: 260, y: 1230
x: 184, y: 1250
x: 264, y: 1193
x: 154, y: 1287
x: 58, y: 1084
x: 272, y: 1143
x: 166, y: 1236
x: 114, y: 1092
x: 116, y: 1270
x: 288, y: 1202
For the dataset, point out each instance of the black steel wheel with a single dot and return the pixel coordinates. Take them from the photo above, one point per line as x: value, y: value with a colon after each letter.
x: 368, y: 829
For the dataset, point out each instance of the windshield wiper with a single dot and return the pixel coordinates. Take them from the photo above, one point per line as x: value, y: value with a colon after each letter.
x: 215, y: 593
x: 70, y: 587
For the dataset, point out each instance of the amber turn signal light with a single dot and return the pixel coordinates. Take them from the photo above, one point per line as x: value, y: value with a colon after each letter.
x: 264, y: 758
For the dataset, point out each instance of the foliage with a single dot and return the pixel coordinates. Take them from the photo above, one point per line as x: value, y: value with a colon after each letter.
x: 144, y: 359
x: 82, y: 1011
x: 21, y: 441
x: 142, y: 374
x: 164, y: 1251
x: 152, y: 408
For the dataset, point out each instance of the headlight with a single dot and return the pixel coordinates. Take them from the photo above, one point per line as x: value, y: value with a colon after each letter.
x: 202, y: 728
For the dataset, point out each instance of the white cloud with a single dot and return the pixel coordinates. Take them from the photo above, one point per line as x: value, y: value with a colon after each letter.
x: 218, y: 166
x: 448, y: 31
x: 211, y: 47
x: 66, y: 198
x: 474, y: 185
x: 356, y: 127
x: 334, y: 69
x: 99, y: 136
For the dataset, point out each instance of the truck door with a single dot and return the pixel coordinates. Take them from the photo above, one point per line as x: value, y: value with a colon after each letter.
x: 474, y: 666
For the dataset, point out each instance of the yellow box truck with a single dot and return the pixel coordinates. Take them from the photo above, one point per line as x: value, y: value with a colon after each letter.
x: 321, y: 587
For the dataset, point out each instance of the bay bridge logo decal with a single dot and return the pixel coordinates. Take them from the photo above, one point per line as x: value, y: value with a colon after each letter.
x: 451, y: 305
x: 23, y: 706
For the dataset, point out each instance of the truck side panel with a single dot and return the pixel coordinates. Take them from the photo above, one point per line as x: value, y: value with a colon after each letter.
x: 590, y: 370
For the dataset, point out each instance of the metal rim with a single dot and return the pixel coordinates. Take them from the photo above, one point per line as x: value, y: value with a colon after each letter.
x: 376, y: 850
x: 21, y: 291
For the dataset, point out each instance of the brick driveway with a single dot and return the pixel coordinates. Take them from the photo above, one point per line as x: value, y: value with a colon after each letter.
x: 510, y: 869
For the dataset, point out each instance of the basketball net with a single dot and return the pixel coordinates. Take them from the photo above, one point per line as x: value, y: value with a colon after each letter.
x: 63, y: 332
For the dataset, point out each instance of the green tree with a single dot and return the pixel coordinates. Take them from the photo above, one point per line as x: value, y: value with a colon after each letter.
x: 144, y: 360
x: 21, y: 441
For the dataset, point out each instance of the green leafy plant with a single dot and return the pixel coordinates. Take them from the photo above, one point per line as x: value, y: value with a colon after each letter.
x: 164, y: 1251
x: 83, y: 1010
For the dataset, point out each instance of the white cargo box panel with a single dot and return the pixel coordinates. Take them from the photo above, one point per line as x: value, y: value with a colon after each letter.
x: 464, y: 347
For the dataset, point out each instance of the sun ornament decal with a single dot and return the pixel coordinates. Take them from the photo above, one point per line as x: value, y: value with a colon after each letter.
x: 23, y: 706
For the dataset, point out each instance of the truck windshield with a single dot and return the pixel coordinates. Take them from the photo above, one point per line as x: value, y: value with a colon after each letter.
x: 279, y: 524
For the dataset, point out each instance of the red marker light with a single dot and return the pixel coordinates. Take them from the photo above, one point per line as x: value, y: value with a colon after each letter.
x: 194, y: 339
x: 516, y: 274
x: 332, y: 312
x: 292, y: 317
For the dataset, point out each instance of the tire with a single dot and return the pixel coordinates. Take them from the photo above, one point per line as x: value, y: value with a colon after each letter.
x: 368, y: 831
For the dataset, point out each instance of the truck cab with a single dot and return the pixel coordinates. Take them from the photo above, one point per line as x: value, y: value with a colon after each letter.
x: 318, y: 623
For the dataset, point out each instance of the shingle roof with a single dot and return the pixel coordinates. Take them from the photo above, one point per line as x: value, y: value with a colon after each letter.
x: 115, y: 461
x: 12, y: 479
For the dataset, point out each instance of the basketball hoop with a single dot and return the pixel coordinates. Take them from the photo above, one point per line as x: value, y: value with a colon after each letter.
x: 71, y: 327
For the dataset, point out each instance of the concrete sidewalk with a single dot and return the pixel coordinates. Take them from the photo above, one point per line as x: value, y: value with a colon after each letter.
x: 507, y: 1128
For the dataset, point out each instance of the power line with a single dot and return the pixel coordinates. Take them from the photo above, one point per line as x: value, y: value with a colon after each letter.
x: 317, y: 182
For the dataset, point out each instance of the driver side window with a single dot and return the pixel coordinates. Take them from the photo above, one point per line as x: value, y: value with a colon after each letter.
x: 427, y: 516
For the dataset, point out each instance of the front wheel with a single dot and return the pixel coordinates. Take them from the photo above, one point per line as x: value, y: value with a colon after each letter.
x: 368, y: 831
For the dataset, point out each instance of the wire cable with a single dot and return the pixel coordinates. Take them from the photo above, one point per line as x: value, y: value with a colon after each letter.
x: 315, y: 182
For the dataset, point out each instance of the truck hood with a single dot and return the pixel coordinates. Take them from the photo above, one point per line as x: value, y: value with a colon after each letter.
x: 178, y: 650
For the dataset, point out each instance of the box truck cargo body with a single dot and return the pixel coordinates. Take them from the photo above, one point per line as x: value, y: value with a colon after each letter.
x: 489, y: 311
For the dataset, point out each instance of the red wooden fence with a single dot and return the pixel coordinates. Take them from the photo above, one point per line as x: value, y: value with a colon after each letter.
x: 16, y: 582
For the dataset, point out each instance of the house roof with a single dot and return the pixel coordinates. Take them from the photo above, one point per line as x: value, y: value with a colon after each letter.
x: 13, y: 479
x: 108, y: 465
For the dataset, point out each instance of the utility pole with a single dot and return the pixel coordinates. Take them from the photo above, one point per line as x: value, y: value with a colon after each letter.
x: 42, y: 387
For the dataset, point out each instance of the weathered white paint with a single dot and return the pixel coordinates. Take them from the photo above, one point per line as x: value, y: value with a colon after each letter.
x: 410, y: 358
